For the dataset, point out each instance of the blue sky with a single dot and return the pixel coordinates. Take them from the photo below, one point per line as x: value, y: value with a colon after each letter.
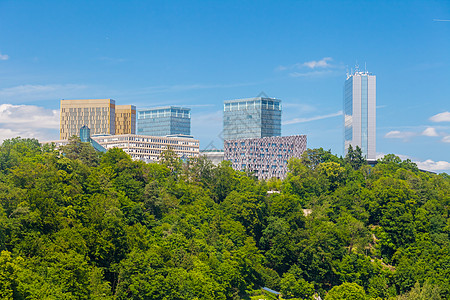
x: 200, y: 53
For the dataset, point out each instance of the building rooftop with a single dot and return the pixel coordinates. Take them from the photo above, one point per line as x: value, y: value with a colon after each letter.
x: 252, y: 99
x: 164, y: 107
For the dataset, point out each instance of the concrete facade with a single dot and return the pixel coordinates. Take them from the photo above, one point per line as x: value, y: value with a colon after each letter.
x: 149, y: 148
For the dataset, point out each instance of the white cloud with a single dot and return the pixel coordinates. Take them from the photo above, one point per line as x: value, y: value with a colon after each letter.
x: 441, y: 117
x: 323, y: 63
x: 430, y: 131
x: 28, y: 121
x: 4, y: 57
x: 6, y: 133
x: 428, y: 165
x: 28, y: 116
x: 304, y: 120
x: 446, y: 139
x: 431, y: 165
x: 395, y: 134
x: 311, y: 74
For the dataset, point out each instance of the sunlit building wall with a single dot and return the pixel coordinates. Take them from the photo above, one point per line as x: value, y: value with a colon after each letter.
x: 125, y: 119
x: 97, y: 114
x: 360, y: 113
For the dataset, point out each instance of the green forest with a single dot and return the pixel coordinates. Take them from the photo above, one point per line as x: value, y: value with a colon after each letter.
x: 77, y: 224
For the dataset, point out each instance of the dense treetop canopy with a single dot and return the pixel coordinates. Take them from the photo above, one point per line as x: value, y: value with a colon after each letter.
x: 76, y: 224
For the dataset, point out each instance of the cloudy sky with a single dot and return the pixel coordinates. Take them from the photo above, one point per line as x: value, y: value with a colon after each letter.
x: 200, y: 53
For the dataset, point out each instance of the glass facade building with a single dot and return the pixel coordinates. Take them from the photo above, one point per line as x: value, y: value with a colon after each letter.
x: 85, y: 137
x: 162, y: 121
x: 251, y: 118
x: 360, y: 113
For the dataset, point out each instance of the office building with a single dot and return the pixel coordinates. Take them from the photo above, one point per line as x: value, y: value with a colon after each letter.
x: 149, y: 148
x: 97, y: 114
x: 215, y: 156
x: 265, y: 157
x: 125, y: 119
x: 162, y: 121
x: 360, y: 113
x: 85, y: 137
x: 251, y: 118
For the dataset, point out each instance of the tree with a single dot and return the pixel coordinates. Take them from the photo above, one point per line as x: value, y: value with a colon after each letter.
x: 9, y: 269
x: 355, y: 157
x: 311, y: 158
x: 346, y: 291
x: 170, y: 159
x: 291, y: 287
x: 76, y: 149
x: 425, y: 292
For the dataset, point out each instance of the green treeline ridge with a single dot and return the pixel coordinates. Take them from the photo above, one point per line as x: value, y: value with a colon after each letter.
x: 77, y: 224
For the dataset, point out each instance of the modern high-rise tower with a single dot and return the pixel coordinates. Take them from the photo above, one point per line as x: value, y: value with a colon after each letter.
x: 360, y: 113
x: 251, y: 118
x: 162, y: 121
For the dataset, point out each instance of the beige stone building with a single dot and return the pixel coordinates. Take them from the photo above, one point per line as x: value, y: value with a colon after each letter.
x: 97, y: 114
x: 102, y: 116
x: 125, y: 119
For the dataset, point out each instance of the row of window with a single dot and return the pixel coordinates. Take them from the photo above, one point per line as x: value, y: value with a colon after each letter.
x: 149, y: 140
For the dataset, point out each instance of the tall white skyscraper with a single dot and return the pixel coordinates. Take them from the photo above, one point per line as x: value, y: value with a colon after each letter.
x: 360, y: 113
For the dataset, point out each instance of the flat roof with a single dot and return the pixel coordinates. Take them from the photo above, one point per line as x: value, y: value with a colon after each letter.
x: 252, y: 99
x: 91, y: 100
x: 164, y: 107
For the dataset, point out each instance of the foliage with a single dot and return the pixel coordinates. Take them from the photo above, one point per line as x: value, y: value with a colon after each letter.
x: 346, y: 291
x: 79, y: 225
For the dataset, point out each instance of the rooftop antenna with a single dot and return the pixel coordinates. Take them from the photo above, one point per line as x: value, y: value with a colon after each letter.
x: 356, y: 67
x: 365, y: 67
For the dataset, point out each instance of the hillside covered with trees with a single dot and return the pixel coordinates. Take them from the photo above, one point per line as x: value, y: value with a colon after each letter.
x: 80, y: 225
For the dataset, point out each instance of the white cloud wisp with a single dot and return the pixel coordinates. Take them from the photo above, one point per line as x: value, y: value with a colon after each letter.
x: 431, y: 165
x: 427, y: 165
x: 28, y: 121
x: 304, y: 120
x: 430, y: 131
x: 441, y: 117
x: 396, y: 134
x: 323, y: 63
